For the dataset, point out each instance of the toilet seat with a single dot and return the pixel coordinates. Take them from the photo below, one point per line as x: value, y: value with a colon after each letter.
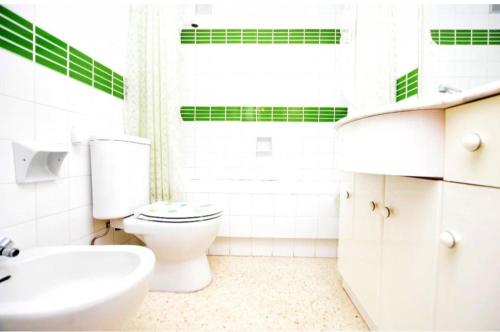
x: 178, y: 212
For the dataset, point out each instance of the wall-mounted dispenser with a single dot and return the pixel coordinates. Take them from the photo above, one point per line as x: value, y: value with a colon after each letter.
x: 36, y: 162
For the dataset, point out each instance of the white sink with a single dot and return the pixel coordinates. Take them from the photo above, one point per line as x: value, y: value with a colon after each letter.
x: 74, y: 287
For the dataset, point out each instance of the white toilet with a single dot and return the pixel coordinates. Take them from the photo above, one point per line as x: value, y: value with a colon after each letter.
x: 178, y: 233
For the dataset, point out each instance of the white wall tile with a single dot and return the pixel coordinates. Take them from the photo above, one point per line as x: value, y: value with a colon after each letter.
x: 53, y: 230
x: 40, y: 104
x: 81, y: 223
x: 17, y: 76
x: 52, y: 197
x: 17, y: 119
x: 80, y: 191
x: 51, y: 125
x: 262, y: 226
x: 23, y: 235
x: 7, y: 171
x: 306, y: 227
x: 241, y: 226
x: 51, y: 87
x: 17, y: 204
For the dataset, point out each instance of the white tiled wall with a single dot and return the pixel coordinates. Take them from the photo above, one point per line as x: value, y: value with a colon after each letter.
x: 460, y: 66
x: 284, y: 204
x: 40, y: 104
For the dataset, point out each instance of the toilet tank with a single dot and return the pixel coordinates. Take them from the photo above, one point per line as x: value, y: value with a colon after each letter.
x: 120, y: 175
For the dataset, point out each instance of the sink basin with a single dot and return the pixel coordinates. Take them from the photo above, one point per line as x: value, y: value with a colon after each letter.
x: 74, y: 287
x: 407, y: 143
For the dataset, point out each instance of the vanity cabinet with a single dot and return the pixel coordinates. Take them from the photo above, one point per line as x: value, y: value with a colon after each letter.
x: 419, y: 236
x: 409, y: 253
x: 472, y: 143
x: 468, y: 287
x: 389, y: 262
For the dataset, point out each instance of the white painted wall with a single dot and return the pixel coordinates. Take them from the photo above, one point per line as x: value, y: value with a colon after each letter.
x: 40, y: 104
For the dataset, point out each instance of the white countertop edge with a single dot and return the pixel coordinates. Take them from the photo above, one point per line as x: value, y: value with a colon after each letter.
x: 444, y: 101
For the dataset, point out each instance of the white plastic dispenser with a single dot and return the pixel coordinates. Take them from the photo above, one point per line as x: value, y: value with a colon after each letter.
x: 36, y: 162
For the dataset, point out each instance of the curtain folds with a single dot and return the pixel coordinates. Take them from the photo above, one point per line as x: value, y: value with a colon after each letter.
x: 151, y: 101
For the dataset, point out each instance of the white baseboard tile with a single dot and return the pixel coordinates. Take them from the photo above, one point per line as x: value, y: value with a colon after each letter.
x: 326, y: 248
x: 304, y: 248
x: 283, y: 247
x: 220, y: 247
x: 262, y: 247
x: 241, y: 247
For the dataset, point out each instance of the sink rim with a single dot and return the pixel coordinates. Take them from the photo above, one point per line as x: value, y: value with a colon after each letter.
x: 19, y: 309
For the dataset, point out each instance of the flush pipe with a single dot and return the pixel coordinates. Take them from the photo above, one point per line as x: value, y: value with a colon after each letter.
x: 108, y: 226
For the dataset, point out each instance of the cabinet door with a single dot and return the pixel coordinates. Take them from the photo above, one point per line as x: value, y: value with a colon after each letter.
x: 366, y: 243
x: 345, y: 259
x: 468, y: 292
x: 409, y: 253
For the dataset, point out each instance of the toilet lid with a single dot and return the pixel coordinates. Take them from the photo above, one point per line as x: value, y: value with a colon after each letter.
x: 178, y: 212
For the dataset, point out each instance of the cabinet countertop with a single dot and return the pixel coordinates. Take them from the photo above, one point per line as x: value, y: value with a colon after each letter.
x: 439, y: 102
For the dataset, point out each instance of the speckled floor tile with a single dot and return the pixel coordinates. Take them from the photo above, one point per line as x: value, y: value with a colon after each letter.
x: 254, y: 294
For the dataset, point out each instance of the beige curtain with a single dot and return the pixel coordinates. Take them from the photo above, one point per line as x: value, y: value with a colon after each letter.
x: 152, y: 108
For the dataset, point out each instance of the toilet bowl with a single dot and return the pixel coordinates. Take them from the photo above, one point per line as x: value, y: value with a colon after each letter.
x: 179, y: 234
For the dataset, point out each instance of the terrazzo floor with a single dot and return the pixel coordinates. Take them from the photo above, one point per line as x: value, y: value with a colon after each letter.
x: 254, y: 294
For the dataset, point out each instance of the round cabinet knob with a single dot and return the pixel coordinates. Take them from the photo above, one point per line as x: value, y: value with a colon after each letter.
x: 471, y: 142
x: 347, y: 195
x: 373, y: 206
x: 386, y: 212
x: 448, y: 239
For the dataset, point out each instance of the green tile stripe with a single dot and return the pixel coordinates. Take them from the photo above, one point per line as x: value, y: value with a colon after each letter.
x: 260, y: 36
x: 466, y: 36
x: 21, y: 37
x: 263, y: 113
x: 407, y: 85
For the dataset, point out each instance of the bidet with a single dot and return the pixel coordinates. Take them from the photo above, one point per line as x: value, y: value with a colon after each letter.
x: 74, y: 287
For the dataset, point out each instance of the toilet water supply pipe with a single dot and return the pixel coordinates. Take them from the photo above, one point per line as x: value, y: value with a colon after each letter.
x: 108, y: 226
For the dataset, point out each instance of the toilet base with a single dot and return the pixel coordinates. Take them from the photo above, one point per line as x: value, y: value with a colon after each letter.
x: 181, y: 276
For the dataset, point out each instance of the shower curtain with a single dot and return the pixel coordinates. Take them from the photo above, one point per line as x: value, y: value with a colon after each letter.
x: 152, y: 107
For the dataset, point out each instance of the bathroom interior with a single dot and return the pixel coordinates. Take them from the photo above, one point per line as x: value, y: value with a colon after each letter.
x: 249, y: 166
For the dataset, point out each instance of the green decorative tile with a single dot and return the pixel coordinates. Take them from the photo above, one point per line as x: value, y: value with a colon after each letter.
x: 15, y: 28
x: 263, y: 113
x: 47, y: 50
x: 248, y: 114
x: 81, y: 78
x: 15, y: 39
x: 49, y: 64
x: 217, y: 113
x: 280, y: 114
x: 76, y: 53
x: 16, y: 18
x: 16, y: 49
x: 465, y: 36
x: 407, y: 85
x: 233, y: 113
x: 260, y: 36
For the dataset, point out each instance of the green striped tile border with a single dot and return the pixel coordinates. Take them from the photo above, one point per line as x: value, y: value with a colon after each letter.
x: 21, y: 37
x: 263, y: 113
x: 260, y: 36
x: 407, y: 85
x: 465, y: 36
